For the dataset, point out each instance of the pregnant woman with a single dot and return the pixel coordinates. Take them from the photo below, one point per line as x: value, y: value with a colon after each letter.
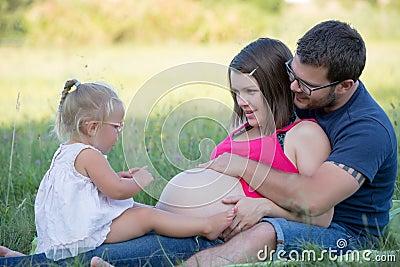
x: 266, y: 130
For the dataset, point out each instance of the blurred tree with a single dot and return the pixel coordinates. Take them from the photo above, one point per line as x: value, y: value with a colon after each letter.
x: 270, y: 5
x: 266, y: 5
x: 11, y: 17
x: 394, y: 4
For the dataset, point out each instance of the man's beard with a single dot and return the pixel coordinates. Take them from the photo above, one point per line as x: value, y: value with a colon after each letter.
x: 330, y: 100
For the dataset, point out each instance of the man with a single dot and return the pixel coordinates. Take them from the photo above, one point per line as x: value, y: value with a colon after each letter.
x: 358, y: 177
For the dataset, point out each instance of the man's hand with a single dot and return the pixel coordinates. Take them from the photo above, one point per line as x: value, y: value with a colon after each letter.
x: 229, y: 164
x: 248, y: 212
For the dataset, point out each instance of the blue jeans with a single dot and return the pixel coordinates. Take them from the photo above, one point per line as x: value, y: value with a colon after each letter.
x: 294, y: 237
x: 148, y: 250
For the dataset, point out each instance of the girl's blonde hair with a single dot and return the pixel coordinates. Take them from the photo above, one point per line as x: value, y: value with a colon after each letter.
x: 89, y: 101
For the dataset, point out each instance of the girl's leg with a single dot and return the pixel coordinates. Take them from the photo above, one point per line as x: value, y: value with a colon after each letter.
x: 138, y: 221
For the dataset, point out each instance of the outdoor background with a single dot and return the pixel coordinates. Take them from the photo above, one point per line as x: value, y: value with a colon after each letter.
x: 43, y: 43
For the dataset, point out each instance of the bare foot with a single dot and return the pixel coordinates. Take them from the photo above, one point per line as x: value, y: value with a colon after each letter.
x: 218, y: 223
x: 6, y: 252
x: 99, y: 262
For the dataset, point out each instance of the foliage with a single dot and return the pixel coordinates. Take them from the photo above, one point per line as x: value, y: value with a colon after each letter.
x: 40, y: 72
x: 34, y: 149
x: 91, y: 22
x: 31, y: 158
x: 12, y: 22
x: 394, y: 114
x: 151, y: 21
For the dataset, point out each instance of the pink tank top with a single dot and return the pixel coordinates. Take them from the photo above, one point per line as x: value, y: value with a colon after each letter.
x: 264, y: 149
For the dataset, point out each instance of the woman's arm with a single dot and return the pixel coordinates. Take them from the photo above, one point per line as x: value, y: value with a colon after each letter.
x: 308, y: 147
x: 94, y: 165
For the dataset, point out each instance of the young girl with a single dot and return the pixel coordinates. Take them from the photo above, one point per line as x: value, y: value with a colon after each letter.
x: 81, y: 202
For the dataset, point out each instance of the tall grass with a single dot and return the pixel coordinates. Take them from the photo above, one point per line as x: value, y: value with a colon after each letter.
x: 32, y: 155
x: 55, y: 52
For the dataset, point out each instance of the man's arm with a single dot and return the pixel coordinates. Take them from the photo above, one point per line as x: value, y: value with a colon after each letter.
x: 311, y: 195
x: 314, y: 195
x: 251, y: 210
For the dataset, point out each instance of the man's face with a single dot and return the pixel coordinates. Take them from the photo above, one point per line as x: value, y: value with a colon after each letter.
x: 311, y: 77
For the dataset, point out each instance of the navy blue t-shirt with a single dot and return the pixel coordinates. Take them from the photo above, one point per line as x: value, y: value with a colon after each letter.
x: 363, y: 138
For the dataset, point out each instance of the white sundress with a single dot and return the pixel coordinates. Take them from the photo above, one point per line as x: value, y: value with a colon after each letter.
x: 72, y: 216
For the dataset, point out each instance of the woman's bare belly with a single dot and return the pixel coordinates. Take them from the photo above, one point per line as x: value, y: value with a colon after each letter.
x: 198, y: 192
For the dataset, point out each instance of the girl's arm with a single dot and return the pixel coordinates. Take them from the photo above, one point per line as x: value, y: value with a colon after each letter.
x: 94, y: 165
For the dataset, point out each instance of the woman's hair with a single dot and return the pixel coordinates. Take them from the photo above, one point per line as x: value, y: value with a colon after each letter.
x: 265, y: 58
x: 89, y: 101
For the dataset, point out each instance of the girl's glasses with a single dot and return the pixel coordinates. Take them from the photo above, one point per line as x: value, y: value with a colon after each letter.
x: 117, y: 125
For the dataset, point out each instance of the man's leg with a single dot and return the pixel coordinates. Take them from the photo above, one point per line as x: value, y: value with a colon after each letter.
x: 244, y: 247
x: 28, y: 260
x: 150, y: 250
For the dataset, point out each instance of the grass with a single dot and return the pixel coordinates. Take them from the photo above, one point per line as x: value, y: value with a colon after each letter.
x: 38, y: 73
x: 32, y: 147
x: 127, y: 68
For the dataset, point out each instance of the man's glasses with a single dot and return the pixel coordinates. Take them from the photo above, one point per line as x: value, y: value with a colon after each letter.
x: 302, y: 84
x: 117, y: 125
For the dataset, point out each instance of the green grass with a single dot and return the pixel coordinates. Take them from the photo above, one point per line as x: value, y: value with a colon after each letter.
x: 108, y: 49
x: 34, y: 147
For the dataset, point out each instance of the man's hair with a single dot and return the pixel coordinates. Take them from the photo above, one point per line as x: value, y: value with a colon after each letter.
x: 336, y: 46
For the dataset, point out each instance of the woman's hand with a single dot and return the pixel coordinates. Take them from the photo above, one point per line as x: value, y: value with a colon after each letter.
x: 249, y: 212
x: 229, y: 164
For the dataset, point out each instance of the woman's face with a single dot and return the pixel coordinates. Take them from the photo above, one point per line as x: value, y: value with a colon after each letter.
x: 250, y: 98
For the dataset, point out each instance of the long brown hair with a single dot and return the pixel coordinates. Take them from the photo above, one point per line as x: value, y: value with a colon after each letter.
x: 268, y: 57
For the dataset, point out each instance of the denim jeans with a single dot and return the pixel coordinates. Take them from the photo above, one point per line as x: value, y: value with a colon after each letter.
x: 295, y: 237
x: 148, y: 250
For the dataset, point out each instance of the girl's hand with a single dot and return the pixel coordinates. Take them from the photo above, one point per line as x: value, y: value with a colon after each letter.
x: 128, y: 174
x: 142, y: 177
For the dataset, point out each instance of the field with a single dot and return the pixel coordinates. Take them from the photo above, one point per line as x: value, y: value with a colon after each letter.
x: 31, y: 79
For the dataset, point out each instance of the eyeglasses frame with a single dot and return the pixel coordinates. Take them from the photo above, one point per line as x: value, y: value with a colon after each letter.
x: 301, y: 82
x: 118, y: 125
